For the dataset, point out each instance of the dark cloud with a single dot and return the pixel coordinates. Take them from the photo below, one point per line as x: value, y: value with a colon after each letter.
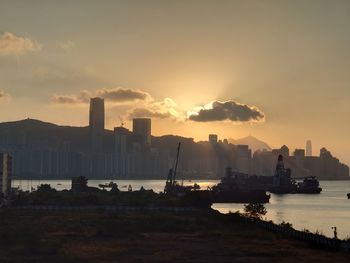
x: 148, y: 113
x: 227, y: 111
x: 113, y: 95
x: 123, y: 94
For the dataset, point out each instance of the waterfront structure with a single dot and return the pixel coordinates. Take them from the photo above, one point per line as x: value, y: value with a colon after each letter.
x: 141, y: 127
x: 5, y: 173
x: 308, y: 148
x: 213, y: 138
x: 96, y: 123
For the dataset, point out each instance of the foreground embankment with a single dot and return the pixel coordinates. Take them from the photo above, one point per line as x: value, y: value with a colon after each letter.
x: 151, y: 236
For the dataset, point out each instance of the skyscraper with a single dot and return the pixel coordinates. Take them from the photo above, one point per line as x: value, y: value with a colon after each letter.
x: 213, y: 138
x: 308, y: 148
x: 5, y: 173
x: 96, y: 122
x: 141, y: 127
x: 120, y: 138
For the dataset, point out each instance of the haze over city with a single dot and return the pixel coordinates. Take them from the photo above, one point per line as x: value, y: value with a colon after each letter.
x: 174, y: 131
x: 275, y: 70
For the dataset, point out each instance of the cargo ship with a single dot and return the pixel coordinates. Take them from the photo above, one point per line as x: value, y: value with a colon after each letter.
x: 282, y: 182
x: 237, y: 187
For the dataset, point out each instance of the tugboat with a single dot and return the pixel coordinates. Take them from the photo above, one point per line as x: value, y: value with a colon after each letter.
x: 282, y: 182
x: 237, y: 188
x: 310, y: 185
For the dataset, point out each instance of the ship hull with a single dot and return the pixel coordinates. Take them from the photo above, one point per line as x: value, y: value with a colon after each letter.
x: 239, y: 196
x: 309, y: 190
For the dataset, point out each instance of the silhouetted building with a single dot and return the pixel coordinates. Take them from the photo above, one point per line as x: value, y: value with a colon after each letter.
x: 121, y: 134
x: 213, y: 138
x: 47, y: 151
x: 5, y: 173
x: 97, y: 123
x: 308, y: 148
x: 284, y: 151
x: 141, y: 127
x: 243, y: 161
x: 299, y: 158
x: 300, y: 153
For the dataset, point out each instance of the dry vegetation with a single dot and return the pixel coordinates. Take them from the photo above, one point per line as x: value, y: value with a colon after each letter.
x: 33, y: 236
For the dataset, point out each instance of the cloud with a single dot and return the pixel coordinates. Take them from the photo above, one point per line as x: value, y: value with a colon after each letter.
x: 11, y: 44
x: 67, y: 45
x: 82, y: 97
x: 165, y: 109
x: 5, y: 96
x: 226, y: 111
x: 123, y: 95
x: 111, y: 95
x: 134, y: 103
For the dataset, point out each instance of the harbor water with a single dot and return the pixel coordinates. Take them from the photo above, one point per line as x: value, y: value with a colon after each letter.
x: 317, y: 212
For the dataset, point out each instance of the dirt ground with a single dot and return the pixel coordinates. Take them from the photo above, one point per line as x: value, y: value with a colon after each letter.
x: 35, y: 236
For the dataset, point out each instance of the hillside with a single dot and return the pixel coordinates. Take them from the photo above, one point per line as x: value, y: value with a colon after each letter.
x: 253, y: 143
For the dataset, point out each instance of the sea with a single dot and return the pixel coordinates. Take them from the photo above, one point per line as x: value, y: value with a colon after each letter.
x: 316, y: 213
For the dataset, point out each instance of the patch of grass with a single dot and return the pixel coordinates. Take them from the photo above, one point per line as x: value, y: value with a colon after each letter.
x: 145, y: 237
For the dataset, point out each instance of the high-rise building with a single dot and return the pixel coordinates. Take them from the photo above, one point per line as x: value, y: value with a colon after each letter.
x: 213, y: 138
x: 244, y: 156
x: 300, y: 153
x: 97, y: 122
x: 5, y: 173
x: 308, y: 148
x: 120, y: 137
x: 141, y: 127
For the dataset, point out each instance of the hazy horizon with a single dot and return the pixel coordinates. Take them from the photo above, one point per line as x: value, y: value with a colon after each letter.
x: 276, y: 70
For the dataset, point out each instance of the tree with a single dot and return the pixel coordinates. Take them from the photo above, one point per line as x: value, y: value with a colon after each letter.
x: 255, y: 210
x: 45, y: 188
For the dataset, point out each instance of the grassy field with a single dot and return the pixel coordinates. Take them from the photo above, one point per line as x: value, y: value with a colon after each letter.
x: 37, y: 236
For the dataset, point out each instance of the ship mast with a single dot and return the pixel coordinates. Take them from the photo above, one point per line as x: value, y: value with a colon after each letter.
x: 177, y: 161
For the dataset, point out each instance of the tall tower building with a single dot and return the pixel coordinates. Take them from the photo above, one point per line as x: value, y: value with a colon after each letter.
x: 213, y: 138
x: 96, y: 122
x: 308, y: 148
x: 141, y: 127
x: 5, y: 173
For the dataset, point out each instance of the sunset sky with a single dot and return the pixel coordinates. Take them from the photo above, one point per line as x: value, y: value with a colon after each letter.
x: 277, y: 70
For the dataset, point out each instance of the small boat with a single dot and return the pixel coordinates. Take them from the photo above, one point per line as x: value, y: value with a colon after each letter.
x: 348, y: 195
x: 108, y: 185
x: 310, y: 185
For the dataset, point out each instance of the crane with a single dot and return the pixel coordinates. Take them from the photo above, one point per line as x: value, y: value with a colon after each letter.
x: 171, y: 179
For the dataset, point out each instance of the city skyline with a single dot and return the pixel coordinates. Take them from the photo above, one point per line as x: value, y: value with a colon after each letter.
x: 192, y: 66
x: 45, y: 150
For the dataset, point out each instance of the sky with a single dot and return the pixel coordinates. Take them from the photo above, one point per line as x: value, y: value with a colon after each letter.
x: 277, y: 70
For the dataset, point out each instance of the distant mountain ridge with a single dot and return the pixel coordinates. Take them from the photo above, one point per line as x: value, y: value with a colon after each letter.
x: 253, y: 143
